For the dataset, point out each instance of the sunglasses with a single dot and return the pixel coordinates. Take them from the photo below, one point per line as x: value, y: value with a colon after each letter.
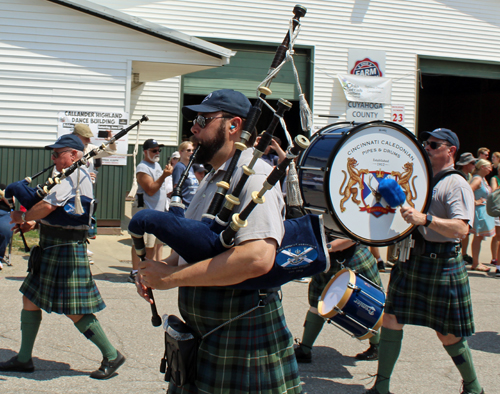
x: 203, y: 121
x: 155, y: 150
x: 433, y: 144
x: 189, y: 150
x: 55, y: 155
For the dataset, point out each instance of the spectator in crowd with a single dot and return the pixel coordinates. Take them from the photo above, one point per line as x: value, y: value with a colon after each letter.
x: 483, y: 153
x: 199, y: 171
x: 273, y: 153
x: 495, y: 241
x: 466, y: 165
x: 484, y: 224
x: 5, y: 227
x: 495, y: 160
x: 169, y: 187
x: 151, y: 194
x: 191, y: 184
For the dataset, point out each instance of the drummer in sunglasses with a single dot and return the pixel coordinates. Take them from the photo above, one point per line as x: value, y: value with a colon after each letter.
x: 436, y: 268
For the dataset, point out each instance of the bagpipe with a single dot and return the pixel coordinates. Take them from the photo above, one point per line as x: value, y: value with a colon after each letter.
x: 303, y: 249
x: 78, y: 209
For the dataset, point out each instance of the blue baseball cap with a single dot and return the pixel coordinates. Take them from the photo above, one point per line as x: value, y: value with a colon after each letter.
x: 442, y: 134
x: 226, y: 100
x: 67, y: 141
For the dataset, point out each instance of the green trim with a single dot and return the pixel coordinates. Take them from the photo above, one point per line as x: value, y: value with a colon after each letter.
x: 113, y: 182
x: 459, y: 67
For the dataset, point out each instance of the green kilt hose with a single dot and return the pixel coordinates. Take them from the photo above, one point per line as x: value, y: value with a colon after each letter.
x: 362, y: 261
x: 433, y: 293
x: 253, y: 354
x: 64, y: 284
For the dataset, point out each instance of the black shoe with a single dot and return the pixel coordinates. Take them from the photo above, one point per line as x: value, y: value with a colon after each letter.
x: 381, y: 266
x: 467, y: 259
x: 369, y: 354
x: 13, y: 365
x: 301, y: 356
x: 107, y: 367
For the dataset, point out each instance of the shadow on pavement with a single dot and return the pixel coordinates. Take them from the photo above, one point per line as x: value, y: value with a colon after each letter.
x: 44, y: 369
x: 327, y: 363
x: 115, y: 278
x: 485, y: 341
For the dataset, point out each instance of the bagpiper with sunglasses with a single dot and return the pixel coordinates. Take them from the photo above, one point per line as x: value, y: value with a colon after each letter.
x: 253, y: 353
x: 431, y: 289
x: 59, y: 278
x: 151, y: 194
x: 191, y: 183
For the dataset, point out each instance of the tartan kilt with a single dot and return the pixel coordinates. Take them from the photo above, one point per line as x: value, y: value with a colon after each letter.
x: 64, y: 284
x: 253, y: 354
x: 433, y: 293
x: 362, y: 262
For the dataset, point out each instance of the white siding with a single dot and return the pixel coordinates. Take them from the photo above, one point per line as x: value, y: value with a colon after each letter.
x: 53, y: 58
x: 458, y: 29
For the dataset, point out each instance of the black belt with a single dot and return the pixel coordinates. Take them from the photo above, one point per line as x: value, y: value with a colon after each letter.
x: 64, y: 233
x: 454, y: 250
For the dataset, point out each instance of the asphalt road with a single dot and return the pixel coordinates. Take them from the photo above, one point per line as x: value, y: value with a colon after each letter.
x: 63, y: 358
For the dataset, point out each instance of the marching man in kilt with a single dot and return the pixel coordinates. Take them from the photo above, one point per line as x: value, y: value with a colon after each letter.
x: 253, y: 353
x: 60, y: 280
x: 431, y: 289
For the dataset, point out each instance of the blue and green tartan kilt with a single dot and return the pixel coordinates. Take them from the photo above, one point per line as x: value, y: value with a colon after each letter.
x: 433, y: 293
x: 361, y: 262
x: 253, y: 354
x: 64, y: 284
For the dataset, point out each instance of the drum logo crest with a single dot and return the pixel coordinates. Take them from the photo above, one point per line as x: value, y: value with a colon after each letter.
x: 369, y: 309
x: 368, y: 195
x: 296, y: 256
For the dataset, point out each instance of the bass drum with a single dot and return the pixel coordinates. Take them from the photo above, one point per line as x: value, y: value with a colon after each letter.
x: 340, y: 171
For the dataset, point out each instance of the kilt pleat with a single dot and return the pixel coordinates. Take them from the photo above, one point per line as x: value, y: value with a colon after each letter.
x: 253, y: 354
x: 362, y: 262
x: 434, y: 293
x: 64, y: 284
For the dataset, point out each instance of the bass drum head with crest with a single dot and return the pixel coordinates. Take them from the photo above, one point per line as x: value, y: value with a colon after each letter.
x: 340, y: 172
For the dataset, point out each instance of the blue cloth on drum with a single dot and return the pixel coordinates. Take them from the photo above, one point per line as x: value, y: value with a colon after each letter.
x: 64, y: 284
x: 258, y: 352
x: 433, y: 293
x: 362, y: 262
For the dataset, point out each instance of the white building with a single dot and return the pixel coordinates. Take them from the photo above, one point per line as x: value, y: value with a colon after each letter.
x: 442, y: 57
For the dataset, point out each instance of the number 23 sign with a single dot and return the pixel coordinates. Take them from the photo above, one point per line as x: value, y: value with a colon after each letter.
x: 398, y: 113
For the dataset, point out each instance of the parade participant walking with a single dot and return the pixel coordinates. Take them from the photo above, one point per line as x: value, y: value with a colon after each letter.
x: 254, y: 353
x: 357, y: 258
x: 60, y: 281
x: 431, y: 289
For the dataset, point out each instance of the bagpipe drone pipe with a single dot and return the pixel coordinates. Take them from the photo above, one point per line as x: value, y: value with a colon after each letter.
x: 176, y: 231
x: 78, y: 209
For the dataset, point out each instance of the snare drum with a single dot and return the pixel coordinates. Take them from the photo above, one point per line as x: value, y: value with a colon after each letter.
x: 340, y: 171
x: 354, y: 303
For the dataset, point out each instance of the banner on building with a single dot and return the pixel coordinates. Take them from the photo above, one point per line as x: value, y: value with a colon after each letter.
x: 364, y: 112
x: 99, y: 122
x: 366, y: 89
